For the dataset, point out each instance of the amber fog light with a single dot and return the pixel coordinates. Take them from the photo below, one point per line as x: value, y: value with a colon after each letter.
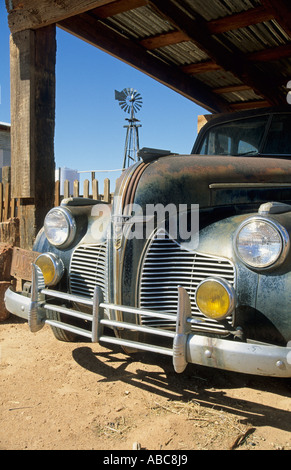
x: 215, y: 298
x: 51, y: 267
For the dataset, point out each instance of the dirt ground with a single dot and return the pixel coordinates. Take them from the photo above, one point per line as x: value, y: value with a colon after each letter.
x: 82, y: 396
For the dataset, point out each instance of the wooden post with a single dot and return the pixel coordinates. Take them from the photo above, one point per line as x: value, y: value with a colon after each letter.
x: 86, y: 188
x: 76, y: 188
x: 32, y: 61
x: 107, y: 196
x: 66, y: 189
x: 95, y: 192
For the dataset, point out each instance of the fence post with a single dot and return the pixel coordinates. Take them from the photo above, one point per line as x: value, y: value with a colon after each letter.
x: 66, y: 189
x: 1, y: 202
x: 107, y: 190
x: 76, y: 188
x: 57, y: 193
x: 86, y: 189
x: 95, y: 192
x: 6, y: 201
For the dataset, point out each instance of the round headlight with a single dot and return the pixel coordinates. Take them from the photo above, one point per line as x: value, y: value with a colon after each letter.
x: 52, y: 268
x: 261, y: 243
x: 60, y: 227
x: 215, y: 298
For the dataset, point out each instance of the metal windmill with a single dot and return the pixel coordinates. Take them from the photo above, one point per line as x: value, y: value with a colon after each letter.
x: 131, y: 102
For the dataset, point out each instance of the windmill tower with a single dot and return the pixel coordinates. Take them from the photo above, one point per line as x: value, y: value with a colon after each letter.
x: 131, y: 102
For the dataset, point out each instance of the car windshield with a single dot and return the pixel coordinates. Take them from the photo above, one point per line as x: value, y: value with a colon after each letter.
x: 239, y: 137
x: 279, y: 136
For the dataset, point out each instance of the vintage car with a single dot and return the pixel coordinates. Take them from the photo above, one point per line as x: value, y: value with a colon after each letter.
x: 216, y: 292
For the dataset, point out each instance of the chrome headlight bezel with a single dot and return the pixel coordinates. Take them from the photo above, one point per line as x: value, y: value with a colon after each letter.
x: 283, y: 239
x: 51, y: 262
x: 66, y: 234
x: 227, y: 289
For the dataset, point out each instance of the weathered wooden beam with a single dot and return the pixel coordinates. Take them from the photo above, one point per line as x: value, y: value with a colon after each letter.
x: 31, y: 14
x: 201, y: 67
x: 240, y: 20
x: 244, y: 105
x: 162, y: 40
x: 230, y: 60
x: 119, y: 6
x: 265, y: 55
x: 85, y: 27
x: 230, y: 89
x: 271, y: 54
x: 32, y: 59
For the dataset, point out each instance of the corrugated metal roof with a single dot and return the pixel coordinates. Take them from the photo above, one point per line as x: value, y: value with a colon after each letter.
x: 213, y: 9
x: 204, y: 45
x: 181, y: 54
x: 256, y: 37
x: 140, y: 23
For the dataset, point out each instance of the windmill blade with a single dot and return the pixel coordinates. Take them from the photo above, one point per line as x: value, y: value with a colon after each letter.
x: 129, y: 99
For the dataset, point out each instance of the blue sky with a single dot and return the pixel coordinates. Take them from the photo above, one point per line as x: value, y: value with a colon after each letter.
x: 89, y: 133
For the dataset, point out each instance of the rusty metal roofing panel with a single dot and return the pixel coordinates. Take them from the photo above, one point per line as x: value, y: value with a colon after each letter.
x: 247, y: 95
x: 256, y: 37
x: 139, y: 23
x: 224, y: 53
x: 218, y: 78
x: 213, y: 9
x: 181, y: 54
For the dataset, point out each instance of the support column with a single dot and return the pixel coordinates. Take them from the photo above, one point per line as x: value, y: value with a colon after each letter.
x: 32, y: 63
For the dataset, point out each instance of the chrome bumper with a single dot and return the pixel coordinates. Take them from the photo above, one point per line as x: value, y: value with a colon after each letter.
x: 249, y: 358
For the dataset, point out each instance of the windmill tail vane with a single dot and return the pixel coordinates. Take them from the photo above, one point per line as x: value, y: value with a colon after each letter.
x: 130, y: 102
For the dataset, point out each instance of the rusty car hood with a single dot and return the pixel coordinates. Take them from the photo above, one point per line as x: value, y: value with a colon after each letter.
x: 212, y: 180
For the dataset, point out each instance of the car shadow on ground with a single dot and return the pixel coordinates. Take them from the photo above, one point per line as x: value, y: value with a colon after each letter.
x: 206, y: 386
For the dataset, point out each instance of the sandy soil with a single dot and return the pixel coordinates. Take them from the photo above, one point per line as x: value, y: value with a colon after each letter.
x: 57, y: 395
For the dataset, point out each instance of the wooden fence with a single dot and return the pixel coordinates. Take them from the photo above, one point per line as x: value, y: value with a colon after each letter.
x: 76, y: 191
x: 9, y: 206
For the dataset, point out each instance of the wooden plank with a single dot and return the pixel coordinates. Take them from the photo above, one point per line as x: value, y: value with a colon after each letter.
x: 1, y: 202
x: 21, y: 263
x: 66, y: 189
x: 231, y: 89
x: 249, y: 105
x: 57, y: 193
x: 76, y: 188
x: 86, y: 185
x: 163, y: 40
x: 270, y: 54
x: 6, y: 202
x: 29, y: 14
x: 107, y: 196
x: 119, y: 6
x: 201, y: 67
x: 240, y: 20
x: 95, y: 192
x: 12, y: 208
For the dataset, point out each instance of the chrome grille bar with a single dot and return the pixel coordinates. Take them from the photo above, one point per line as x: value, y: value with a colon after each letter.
x: 88, y: 270
x: 168, y: 265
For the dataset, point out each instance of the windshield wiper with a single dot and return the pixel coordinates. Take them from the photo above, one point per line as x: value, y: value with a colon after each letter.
x: 251, y: 152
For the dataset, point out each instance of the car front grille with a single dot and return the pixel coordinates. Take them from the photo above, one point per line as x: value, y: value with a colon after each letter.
x: 166, y: 266
x: 88, y: 269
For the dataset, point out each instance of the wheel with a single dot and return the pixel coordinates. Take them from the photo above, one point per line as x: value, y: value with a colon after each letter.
x: 59, y: 333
